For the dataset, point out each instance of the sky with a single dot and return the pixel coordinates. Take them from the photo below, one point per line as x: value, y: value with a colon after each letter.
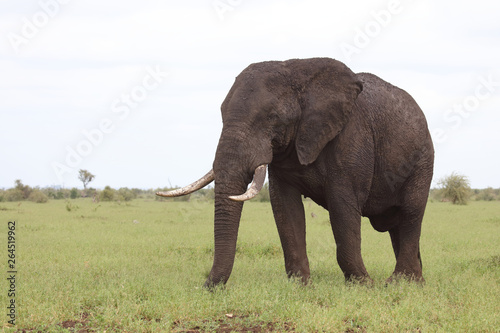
x: 131, y: 90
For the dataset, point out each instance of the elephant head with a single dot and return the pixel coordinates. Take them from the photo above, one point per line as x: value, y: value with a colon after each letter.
x: 273, y: 110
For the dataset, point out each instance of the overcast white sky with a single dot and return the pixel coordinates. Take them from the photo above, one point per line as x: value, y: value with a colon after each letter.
x: 131, y: 90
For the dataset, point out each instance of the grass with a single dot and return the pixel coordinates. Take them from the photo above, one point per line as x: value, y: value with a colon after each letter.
x: 139, y: 267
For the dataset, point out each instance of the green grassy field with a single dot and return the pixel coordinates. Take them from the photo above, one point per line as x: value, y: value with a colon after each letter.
x: 139, y: 267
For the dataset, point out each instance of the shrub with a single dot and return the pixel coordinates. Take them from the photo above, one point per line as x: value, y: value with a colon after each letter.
x: 24, y: 189
x: 487, y: 194
x: 74, y: 193
x: 91, y: 192
x: 456, y: 188
x: 107, y: 194
x: 13, y: 194
x: 125, y: 194
x: 38, y: 196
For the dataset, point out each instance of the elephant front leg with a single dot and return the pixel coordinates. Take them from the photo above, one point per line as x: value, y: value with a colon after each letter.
x: 346, y: 226
x: 290, y: 219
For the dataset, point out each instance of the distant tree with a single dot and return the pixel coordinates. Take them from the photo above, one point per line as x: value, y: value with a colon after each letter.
x: 25, y: 190
x: 85, y: 177
x: 456, y: 188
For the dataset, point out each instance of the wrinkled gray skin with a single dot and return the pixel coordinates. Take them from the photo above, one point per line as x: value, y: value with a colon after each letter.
x: 355, y: 144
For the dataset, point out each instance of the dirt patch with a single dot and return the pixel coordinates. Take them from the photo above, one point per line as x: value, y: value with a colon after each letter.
x: 79, y: 326
x: 76, y: 326
x: 233, y: 324
x: 230, y: 324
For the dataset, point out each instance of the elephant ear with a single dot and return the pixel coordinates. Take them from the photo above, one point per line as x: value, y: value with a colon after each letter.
x: 329, y: 90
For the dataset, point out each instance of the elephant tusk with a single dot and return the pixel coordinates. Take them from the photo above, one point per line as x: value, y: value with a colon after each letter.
x: 254, y: 189
x: 199, y: 184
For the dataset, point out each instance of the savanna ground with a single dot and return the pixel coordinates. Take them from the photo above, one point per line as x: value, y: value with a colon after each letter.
x: 139, y: 267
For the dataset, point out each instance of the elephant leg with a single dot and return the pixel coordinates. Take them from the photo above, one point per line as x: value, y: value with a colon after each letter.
x: 395, y: 240
x: 405, y: 234
x: 346, y: 226
x: 405, y: 241
x: 289, y: 215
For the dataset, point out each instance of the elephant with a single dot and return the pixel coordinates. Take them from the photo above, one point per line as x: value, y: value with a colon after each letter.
x: 353, y: 143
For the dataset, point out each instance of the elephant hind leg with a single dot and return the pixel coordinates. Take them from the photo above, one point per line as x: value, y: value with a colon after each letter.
x: 405, y: 239
x: 405, y: 233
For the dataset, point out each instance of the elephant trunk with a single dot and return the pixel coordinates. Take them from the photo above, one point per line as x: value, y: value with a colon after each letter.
x: 230, y: 179
x: 226, y: 224
x: 234, y: 167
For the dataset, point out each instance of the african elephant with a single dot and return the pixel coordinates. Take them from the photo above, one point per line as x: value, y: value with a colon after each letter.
x: 353, y: 143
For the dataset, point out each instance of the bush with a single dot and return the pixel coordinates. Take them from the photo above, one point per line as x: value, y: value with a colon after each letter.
x: 107, y: 194
x: 24, y: 189
x: 13, y: 194
x: 456, y: 188
x: 38, y: 196
x: 74, y: 193
x: 125, y: 194
x: 91, y: 192
x: 487, y: 194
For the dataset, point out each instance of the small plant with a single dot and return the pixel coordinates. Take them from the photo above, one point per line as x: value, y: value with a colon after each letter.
x: 70, y: 207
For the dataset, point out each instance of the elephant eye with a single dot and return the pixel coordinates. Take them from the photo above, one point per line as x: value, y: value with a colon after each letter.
x: 273, y: 117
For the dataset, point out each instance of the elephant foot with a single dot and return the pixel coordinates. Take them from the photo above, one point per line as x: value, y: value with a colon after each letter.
x: 365, y: 280
x: 397, y: 277
x: 299, y: 276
